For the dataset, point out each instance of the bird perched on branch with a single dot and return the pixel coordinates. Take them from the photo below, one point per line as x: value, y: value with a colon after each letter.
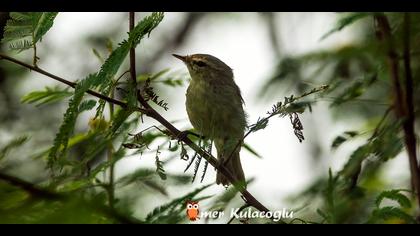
x: 214, y: 107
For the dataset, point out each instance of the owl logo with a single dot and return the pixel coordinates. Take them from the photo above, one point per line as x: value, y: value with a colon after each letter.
x: 192, y: 210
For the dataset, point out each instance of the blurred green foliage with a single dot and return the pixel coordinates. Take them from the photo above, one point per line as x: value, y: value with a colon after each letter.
x: 78, y: 184
x: 360, y: 86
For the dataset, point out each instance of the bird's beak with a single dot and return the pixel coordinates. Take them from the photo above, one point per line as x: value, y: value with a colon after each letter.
x: 182, y: 58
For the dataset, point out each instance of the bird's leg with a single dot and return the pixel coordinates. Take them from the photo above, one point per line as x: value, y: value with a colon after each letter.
x: 183, y: 134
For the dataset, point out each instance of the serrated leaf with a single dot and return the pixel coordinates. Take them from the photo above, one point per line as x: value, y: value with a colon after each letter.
x: 43, y: 24
x: 139, y: 174
x: 356, y: 158
x: 14, y: 143
x: 355, y: 90
x: 386, y: 213
x: 115, y: 60
x: 25, y: 29
x: 394, y: 195
x: 118, y: 120
x: 143, y: 174
x: 60, y: 144
x: 346, y: 21
x: 173, y: 208
x: 87, y: 105
x: 49, y: 95
x: 159, y: 166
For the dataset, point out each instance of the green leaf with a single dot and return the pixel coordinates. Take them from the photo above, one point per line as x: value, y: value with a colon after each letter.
x: 118, y: 119
x: 394, y: 195
x: 342, y: 138
x: 346, y: 21
x: 25, y: 29
x: 115, y: 60
x: 387, y: 144
x: 120, y: 153
x: 355, y: 90
x: 43, y: 23
x: 14, y: 143
x: 166, y: 213
x: 97, y: 55
x: 384, y: 145
x: 159, y: 166
x: 156, y: 186
x: 298, y: 107
x: 138, y: 175
x: 144, y: 28
x: 142, y: 175
x: 387, y: 213
x: 220, y: 203
x: 251, y: 150
x: 49, y: 95
x: 159, y: 74
x: 355, y: 161
x: 87, y: 105
x: 66, y: 129
x: 324, y: 215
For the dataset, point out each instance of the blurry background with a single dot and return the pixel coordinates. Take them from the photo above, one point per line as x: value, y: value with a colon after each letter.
x: 254, y: 45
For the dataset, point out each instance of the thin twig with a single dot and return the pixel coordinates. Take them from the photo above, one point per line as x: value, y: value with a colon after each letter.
x: 35, y: 57
x: 111, y: 186
x: 293, y: 99
x: 132, y: 53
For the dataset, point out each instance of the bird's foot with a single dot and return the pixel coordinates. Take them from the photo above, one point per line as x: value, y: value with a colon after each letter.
x: 183, y: 134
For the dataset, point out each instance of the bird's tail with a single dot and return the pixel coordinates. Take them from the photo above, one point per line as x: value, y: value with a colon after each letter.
x: 231, y: 161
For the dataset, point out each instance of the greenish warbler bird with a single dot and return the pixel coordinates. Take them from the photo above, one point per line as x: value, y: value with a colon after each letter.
x: 214, y: 107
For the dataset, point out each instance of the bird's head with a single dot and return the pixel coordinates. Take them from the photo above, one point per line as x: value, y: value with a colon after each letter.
x: 204, y: 66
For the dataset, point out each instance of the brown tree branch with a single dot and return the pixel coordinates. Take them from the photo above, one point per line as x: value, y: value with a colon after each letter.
x: 249, y: 198
x: 64, y: 81
x: 29, y: 187
x: 403, y: 107
x: 149, y: 111
x: 409, y: 87
x: 38, y: 192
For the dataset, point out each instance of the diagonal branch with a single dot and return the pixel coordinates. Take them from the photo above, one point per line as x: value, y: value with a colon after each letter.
x: 64, y: 81
x: 149, y: 111
x: 249, y: 198
x: 39, y: 192
x: 29, y: 187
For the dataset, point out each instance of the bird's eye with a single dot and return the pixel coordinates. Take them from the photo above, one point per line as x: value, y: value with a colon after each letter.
x: 200, y: 63
x: 195, y: 206
x: 189, y: 206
